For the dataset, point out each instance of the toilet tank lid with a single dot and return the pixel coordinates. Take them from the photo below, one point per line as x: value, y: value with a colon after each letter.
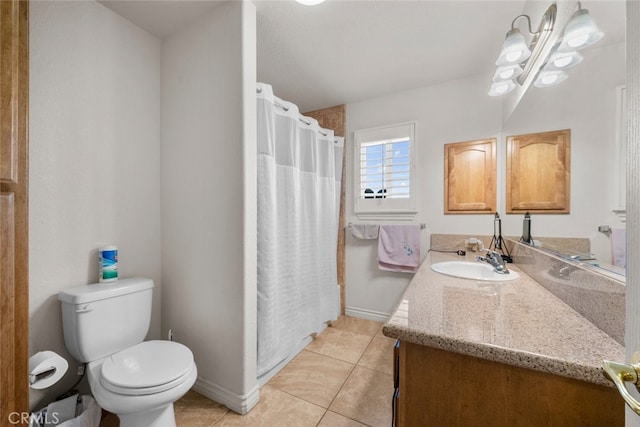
x: 99, y: 291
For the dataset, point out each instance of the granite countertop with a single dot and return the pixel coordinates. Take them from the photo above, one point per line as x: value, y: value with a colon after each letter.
x: 516, y: 322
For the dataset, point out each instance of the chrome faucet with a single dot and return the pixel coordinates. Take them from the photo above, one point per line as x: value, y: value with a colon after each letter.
x: 496, y: 261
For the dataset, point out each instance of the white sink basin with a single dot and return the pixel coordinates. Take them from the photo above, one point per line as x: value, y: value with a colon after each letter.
x: 472, y: 270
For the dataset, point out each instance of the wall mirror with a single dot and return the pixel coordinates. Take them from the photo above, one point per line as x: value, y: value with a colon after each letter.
x: 587, y: 103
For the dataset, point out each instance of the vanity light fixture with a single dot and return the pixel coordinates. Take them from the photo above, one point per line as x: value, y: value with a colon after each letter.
x: 563, y: 60
x: 501, y: 88
x: 516, y: 52
x: 516, y: 55
x: 580, y: 32
x: 514, y: 49
x: 550, y: 78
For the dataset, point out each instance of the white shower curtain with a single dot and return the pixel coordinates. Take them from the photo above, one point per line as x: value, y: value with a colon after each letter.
x: 299, y: 172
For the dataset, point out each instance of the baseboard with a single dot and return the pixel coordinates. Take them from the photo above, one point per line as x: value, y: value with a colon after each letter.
x: 366, y: 314
x: 241, y: 404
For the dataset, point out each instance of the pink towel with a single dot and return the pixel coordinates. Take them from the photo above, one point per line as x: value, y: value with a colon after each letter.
x: 399, y: 248
x: 619, y: 247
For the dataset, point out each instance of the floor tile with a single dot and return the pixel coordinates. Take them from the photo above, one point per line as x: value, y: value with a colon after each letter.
x: 313, y: 377
x: 323, y: 371
x: 354, y: 324
x: 196, y: 410
x: 366, y: 397
x: 276, y: 409
x: 340, y: 344
x: 331, y: 419
x: 379, y: 355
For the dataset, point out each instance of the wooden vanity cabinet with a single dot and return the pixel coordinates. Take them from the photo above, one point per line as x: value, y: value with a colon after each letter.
x: 441, y: 388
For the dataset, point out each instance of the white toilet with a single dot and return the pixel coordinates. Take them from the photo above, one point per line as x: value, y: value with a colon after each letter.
x: 105, y: 325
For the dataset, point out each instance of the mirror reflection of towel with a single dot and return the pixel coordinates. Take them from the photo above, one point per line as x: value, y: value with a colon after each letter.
x: 399, y: 248
x: 619, y: 247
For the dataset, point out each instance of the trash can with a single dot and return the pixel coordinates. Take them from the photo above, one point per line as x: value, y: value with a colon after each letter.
x: 62, y: 413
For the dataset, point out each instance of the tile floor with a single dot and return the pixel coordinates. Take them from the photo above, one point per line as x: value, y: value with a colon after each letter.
x: 343, y: 378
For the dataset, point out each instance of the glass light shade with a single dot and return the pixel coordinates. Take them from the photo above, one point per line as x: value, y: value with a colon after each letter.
x: 563, y: 60
x: 550, y: 78
x: 310, y: 2
x: 581, y: 31
x: 508, y: 72
x: 501, y: 88
x: 514, y: 49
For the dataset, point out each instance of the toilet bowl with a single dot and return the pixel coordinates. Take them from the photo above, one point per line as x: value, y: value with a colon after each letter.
x: 104, y: 326
x: 140, y: 383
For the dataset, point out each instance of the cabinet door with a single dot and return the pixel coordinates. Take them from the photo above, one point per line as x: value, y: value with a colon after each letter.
x: 470, y: 177
x: 14, y: 287
x: 539, y: 172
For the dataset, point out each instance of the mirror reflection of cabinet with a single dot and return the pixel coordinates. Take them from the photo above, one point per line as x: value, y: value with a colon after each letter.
x: 470, y: 177
x: 539, y: 172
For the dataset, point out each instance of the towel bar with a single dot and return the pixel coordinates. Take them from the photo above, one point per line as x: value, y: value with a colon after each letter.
x: 422, y: 225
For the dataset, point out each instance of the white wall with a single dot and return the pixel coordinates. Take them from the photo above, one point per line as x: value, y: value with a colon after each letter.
x: 208, y: 199
x: 94, y: 175
x: 460, y: 111
x: 452, y: 112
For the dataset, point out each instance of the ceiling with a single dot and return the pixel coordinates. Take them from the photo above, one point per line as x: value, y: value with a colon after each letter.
x: 345, y: 51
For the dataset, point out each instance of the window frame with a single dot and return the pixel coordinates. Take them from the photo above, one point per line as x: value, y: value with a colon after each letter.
x: 385, y: 208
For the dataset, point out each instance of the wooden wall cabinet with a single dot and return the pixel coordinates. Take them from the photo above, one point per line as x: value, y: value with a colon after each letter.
x: 539, y: 172
x: 470, y: 177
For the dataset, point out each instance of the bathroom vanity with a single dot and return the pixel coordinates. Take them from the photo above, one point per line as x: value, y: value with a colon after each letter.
x: 479, y: 353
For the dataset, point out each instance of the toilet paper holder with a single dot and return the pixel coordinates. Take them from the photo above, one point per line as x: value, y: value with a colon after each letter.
x: 45, y: 369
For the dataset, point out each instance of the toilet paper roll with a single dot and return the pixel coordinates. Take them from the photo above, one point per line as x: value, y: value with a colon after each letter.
x: 45, y: 369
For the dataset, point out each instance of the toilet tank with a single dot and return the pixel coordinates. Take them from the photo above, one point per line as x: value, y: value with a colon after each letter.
x: 103, y: 318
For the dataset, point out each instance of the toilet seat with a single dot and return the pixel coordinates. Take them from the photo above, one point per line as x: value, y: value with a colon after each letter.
x: 147, y: 368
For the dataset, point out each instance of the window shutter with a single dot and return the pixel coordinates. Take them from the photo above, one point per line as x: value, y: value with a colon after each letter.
x: 385, y: 170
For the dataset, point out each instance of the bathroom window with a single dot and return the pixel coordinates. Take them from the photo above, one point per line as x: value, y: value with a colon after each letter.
x: 384, y: 171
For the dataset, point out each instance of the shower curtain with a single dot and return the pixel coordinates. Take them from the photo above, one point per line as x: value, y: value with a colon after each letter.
x: 299, y: 172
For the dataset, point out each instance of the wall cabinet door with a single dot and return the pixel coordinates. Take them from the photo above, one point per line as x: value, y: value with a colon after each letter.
x: 539, y: 172
x: 470, y: 177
